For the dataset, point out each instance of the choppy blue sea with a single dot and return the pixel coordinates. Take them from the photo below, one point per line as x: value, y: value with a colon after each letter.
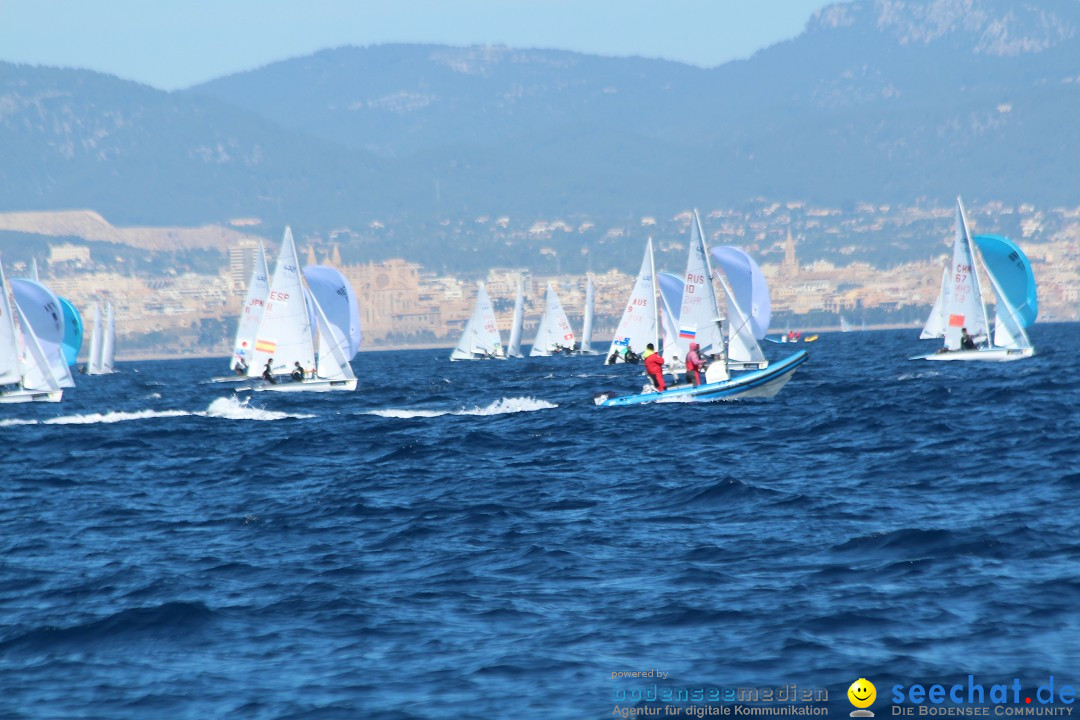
x: 479, y: 540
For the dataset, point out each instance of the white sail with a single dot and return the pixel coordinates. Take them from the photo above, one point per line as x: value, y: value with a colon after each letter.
x: 44, y: 316
x: 10, y: 367
x: 335, y: 349
x: 965, y: 307
x: 698, y: 317
x: 638, y: 325
x: 285, y: 333
x: 554, y: 331
x: 37, y: 371
x: 22, y: 359
x: 935, y: 323
x: 845, y: 326
x: 108, y: 344
x: 669, y: 323
x: 254, y: 304
x: 93, y: 363
x: 513, y: 347
x: 334, y: 294
x: 749, y: 308
x: 481, y: 337
x: 587, y: 324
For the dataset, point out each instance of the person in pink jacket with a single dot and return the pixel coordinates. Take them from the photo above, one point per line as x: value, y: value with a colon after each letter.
x: 694, y: 364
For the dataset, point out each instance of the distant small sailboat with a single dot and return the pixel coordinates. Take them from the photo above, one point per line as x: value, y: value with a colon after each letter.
x: 102, y: 342
x: 25, y: 375
x: 845, y: 326
x: 481, y: 339
x: 513, y: 347
x: 587, y: 324
x: 553, y: 335
x: 960, y: 316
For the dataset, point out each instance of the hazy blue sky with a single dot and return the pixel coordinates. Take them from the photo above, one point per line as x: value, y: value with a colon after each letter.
x: 176, y: 43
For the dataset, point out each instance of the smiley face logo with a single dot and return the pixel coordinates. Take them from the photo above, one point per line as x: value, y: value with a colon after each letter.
x: 862, y: 693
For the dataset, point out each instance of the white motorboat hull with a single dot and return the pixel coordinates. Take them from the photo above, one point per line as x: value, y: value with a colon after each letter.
x: 759, y: 384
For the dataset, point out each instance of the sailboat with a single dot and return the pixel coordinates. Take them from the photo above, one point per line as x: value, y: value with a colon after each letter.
x: 513, y: 347
x: 845, y: 326
x: 294, y: 329
x: 587, y: 324
x: 963, y: 307
x: 553, y: 335
x: 25, y: 375
x: 481, y: 339
x: 699, y: 321
x: 639, y: 323
x: 102, y: 342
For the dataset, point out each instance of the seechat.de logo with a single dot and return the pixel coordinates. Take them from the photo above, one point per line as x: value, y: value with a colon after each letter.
x: 862, y: 694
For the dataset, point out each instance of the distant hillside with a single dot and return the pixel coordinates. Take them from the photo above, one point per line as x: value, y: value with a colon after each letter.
x: 881, y: 101
x: 78, y: 139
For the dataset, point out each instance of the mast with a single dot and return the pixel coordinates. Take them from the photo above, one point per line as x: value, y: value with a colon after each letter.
x: 656, y: 298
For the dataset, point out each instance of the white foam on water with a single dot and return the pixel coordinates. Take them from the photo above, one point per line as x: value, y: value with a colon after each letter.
x: 406, y: 414
x: 229, y: 408
x: 501, y: 406
x: 226, y: 408
x: 917, y: 375
x: 510, y: 405
x: 113, y: 417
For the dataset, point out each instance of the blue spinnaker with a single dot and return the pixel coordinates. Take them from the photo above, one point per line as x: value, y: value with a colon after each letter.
x: 73, y: 331
x: 1010, y: 267
x: 747, y: 284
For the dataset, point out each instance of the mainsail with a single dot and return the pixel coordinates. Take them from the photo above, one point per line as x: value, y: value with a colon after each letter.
x: 285, y: 333
x: 553, y: 333
x: 638, y: 325
x: 698, y: 317
x: 481, y: 337
x: 965, y: 306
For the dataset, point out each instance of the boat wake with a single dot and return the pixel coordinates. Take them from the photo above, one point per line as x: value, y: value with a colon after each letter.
x: 501, y: 406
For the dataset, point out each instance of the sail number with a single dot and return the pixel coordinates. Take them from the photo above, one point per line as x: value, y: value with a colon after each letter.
x: 278, y: 295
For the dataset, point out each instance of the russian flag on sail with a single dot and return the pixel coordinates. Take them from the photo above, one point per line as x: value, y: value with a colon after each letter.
x: 687, y: 332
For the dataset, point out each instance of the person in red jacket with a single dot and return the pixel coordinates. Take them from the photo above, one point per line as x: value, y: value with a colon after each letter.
x: 654, y: 366
x: 694, y: 364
